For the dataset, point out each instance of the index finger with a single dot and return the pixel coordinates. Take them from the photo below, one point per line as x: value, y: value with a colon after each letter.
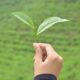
x: 49, y: 49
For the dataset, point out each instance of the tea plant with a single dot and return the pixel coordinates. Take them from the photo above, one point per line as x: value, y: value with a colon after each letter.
x: 49, y: 22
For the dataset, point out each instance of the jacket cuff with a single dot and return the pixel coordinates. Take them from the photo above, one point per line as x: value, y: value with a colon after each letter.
x: 45, y: 77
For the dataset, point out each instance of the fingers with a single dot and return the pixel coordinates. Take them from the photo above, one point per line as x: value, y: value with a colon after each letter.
x: 50, y: 50
x: 38, y: 53
x: 47, y: 48
x: 50, y: 53
x: 45, y: 52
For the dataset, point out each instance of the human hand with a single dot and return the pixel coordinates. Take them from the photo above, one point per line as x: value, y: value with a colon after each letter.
x: 46, y: 60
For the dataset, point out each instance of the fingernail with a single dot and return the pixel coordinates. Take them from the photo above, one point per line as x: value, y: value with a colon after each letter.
x: 34, y: 45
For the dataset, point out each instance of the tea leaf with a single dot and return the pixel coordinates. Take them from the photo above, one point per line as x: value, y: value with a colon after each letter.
x: 24, y: 18
x: 48, y: 23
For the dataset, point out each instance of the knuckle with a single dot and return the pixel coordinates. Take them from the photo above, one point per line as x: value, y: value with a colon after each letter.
x: 56, y: 58
x: 48, y: 45
x: 61, y: 59
x: 53, y: 58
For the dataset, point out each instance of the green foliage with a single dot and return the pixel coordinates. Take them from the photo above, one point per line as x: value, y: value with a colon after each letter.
x: 24, y: 18
x: 45, y: 25
x: 48, y: 23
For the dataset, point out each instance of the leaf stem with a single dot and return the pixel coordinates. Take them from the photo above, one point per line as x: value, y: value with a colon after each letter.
x: 36, y: 37
x: 35, y: 34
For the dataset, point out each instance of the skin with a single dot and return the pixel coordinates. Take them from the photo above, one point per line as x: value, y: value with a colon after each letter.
x: 46, y: 60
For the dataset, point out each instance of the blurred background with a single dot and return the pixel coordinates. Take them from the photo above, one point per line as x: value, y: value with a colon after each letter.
x: 16, y: 39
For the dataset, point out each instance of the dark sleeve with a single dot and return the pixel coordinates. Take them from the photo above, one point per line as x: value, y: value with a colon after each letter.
x: 45, y: 77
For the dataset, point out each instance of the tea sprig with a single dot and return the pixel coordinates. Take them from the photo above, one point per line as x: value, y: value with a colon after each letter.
x: 49, y: 22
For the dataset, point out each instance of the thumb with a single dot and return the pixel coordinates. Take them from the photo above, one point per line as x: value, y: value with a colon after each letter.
x: 38, y: 53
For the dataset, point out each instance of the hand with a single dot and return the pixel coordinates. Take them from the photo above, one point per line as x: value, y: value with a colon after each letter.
x: 46, y: 60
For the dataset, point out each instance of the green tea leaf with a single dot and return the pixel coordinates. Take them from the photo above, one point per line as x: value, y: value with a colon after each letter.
x: 24, y: 18
x: 48, y: 23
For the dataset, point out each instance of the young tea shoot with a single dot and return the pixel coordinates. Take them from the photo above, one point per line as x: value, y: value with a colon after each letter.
x: 46, y: 24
